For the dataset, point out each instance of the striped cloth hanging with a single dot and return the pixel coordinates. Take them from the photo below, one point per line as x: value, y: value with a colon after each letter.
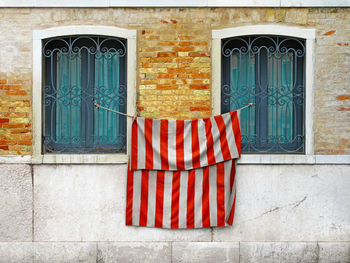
x: 181, y: 173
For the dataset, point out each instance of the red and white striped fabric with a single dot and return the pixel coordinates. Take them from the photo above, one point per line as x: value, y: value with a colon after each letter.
x: 181, y: 172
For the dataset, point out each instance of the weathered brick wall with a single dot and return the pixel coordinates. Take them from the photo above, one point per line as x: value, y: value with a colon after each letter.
x: 174, y: 63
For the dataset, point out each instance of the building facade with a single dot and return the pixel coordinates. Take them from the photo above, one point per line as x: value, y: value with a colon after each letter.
x: 63, y: 163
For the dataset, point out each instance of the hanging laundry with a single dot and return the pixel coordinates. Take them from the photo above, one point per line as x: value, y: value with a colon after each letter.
x: 181, y: 173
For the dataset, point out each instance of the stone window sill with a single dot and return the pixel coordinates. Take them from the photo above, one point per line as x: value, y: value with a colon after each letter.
x: 122, y: 159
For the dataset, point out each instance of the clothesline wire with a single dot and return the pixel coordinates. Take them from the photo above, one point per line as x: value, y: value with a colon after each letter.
x: 97, y: 106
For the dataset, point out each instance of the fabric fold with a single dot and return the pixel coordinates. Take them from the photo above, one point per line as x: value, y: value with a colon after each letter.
x: 181, y: 172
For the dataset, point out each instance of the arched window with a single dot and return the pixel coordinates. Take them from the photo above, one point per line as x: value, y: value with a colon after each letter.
x: 78, y: 70
x: 269, y: 72
x: 73, y: 66
x: 270, y: 66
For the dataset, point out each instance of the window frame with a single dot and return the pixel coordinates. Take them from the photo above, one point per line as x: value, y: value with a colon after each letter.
x: 38, y: 36
x: 273, y: 30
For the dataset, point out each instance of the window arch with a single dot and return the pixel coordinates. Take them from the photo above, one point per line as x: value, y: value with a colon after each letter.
x: 267, y: 71
x: 266, y: 65
x: 78, y: 70
x: 73, y: 67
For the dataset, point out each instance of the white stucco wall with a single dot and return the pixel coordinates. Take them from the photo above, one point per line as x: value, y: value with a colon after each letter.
x: 284, y: 213
x: 274, y: 203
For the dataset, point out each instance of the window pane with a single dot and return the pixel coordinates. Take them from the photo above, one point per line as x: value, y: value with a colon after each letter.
x: 77, y: 72
x: 269, y: 72
x: 68, y: 99
x: 110, y: 94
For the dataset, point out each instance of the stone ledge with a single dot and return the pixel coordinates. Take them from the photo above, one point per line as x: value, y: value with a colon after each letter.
x: 264, y: 252
x: 122, y: 159
x: 205, y: 252
x: 334, y: 252
x: 23, y: 252
x: 216, y: 252
x: 109, y: 252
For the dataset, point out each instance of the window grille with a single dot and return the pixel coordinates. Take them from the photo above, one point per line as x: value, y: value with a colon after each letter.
x: 269, y: 72
x: 76, y: 71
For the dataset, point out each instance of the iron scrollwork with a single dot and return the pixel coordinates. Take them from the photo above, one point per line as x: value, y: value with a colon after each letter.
x: 78, y: 70
x: 269, y: 72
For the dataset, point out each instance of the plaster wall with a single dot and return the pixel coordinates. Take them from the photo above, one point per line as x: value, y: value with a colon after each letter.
x: 299, y: 213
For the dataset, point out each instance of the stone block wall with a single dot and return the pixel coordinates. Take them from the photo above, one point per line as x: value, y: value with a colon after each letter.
x: 177, y: 252
x: 174, y: 63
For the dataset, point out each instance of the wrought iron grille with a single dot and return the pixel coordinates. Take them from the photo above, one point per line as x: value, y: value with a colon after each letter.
x: 269, y: 72
x: 76, y: 71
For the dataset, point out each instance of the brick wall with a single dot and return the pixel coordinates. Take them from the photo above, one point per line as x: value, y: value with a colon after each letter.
x: 15, y: 116
x: 174, y: 63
